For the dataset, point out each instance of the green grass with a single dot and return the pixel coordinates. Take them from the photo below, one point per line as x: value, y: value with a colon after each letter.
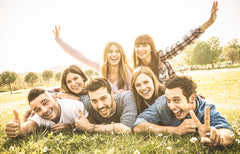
x: 220, y: 88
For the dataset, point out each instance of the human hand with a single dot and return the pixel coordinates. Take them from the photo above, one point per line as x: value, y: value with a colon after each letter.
x: 29, y: 113
x: 59, y: 127
x: 209, y: 135
x: 213, y: 13
x: 119, y: 91
x: 187, y: 126
x: 212, y: 18
x: 57, y: 31
x: 82, y: 122
x: 12, y: 128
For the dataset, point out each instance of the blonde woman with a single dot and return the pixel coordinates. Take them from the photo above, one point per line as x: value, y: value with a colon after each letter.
x: 146, y: 87
x: 115, y: 67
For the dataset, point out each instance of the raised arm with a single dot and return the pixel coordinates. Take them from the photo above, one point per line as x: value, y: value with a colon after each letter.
x: 75, y: 53
x: 14, y: 128
x: 83, y: 124
x: 189, y: 37
x: 212, y: 18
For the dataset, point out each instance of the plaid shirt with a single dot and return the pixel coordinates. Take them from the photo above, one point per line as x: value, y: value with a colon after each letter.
x: 166, y: 69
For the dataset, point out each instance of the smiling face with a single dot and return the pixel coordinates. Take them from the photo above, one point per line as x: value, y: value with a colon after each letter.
x: 143, y: 51
x: 144, y: 86
x: 113, y: 55
x: 74, y: 83
x: 102, y: 102
x: 178, y: 103
x: 46, y: 106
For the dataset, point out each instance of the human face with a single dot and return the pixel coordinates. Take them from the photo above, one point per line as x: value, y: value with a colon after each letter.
x: 143, y: 51
x: 74, y: 83
x: 178, y: 103
x: 114, y: 55
x: 46, y: 106
x: 102, y: 102
x: 144, y: 86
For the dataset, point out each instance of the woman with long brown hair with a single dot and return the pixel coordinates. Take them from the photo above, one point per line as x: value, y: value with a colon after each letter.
x: 115, y: 67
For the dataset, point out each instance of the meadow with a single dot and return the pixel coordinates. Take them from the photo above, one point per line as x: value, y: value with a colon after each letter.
x: 220, y: 87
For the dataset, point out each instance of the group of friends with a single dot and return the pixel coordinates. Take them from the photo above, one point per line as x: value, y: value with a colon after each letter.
x: 147, y: 97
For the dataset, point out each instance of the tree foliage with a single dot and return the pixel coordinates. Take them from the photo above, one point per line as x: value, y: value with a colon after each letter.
x: 47, y: 75
x: 215, y: 50
x: 203, y: 52
x: 231, y: 51
x: 57, y: 76
x: 31, y: 78
x: 9, y: 78
x: 197, y: 54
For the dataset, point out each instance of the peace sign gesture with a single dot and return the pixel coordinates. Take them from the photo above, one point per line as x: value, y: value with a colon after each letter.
x: 209, y: 135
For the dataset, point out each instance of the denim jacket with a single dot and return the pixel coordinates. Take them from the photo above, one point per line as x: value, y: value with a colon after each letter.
x: 160, y: 114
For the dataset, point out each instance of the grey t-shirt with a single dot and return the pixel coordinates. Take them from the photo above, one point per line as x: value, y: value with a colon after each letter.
x: 126, y: 109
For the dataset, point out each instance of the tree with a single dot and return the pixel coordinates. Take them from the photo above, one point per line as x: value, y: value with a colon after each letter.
x: 47, y: 75
x: 231, y: 54
x: 57, y: 76
x: 198, y: 54
x: 9, y: 78
x: 232, y: 50
x: 215, y: 50
x: 31, y: 78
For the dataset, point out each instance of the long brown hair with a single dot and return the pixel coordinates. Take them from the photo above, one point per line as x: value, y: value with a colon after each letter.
x: 123, y: 73
x: 153, y: 65
x: 158, y: 87
x: 76, y: 70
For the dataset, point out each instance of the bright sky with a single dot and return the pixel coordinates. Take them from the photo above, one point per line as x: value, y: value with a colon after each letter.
x: 27, y: 42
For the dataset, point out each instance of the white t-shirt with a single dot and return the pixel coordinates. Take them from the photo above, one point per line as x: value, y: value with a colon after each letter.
x: 69, y: 110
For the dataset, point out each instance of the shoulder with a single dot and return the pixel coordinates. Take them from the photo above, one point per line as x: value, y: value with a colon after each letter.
x: 124, y: 95
x: 202, y: 103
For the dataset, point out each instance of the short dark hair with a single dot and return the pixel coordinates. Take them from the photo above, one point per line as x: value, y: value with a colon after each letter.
x: 187, y: 85
x: 34, y: 93
x: 95, y: 83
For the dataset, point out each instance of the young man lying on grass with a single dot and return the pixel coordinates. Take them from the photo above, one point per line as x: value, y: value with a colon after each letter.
x: 57, y: 114
x: 181, y: 111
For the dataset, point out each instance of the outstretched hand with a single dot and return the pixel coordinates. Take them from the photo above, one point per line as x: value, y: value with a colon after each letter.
x: 12, y: 128
x: 213, y: 12
x: 57, y: 31
x: 212, y: 18
x: 210, y: 136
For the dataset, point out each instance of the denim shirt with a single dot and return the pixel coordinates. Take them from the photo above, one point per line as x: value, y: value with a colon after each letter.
x: 160, y: 114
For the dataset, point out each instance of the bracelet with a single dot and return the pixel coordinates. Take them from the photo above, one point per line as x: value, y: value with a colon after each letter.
x: 93, y: 130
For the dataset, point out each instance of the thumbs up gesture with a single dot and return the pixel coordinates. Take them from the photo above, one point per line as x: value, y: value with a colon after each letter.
x: 12, y: 128
x: 82, y: 122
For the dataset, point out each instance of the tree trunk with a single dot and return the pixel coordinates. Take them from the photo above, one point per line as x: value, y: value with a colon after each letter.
x: 10, y: 87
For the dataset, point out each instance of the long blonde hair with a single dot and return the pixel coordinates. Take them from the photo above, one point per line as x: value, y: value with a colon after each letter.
x: 123, y: 73
x: 158, y: 87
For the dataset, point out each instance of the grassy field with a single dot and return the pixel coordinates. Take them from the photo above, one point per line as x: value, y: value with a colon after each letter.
x: 221, y: 87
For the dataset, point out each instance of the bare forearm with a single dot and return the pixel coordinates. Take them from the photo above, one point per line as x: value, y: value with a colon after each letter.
x: 227, y: 137
x: 27, y: 128
x: 117, y: 128
x: 146, y: 126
